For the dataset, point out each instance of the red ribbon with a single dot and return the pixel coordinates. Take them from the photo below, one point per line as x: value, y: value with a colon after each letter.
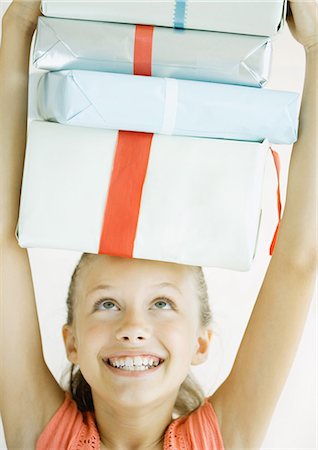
x: 124, y: 193
x: 279, y: 204
x: 129, y: 169
x: 143, y: 50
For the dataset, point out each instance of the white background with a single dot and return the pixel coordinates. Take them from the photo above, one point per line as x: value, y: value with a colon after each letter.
x: 232, y: 294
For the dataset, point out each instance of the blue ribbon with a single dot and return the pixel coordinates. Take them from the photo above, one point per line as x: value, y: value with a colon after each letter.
x: 179, y: 14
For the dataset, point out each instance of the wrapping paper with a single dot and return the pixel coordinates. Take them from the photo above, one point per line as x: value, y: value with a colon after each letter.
x: 199, y: 200
x: 187, y: 54
x: 258, y: 17
x: 168, y: 106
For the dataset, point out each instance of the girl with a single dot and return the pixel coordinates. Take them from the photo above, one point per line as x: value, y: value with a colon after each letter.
x: 134, y: 327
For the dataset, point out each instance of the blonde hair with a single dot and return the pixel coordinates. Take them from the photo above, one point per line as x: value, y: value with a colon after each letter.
x: 190, y: 394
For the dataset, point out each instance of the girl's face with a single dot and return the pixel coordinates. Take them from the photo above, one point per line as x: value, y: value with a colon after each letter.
x: 136, y: 329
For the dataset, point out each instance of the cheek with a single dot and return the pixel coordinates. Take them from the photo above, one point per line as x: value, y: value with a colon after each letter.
x: 180, y: 338
x: 92, y: 336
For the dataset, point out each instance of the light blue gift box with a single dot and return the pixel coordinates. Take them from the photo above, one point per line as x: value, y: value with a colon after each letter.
x: 168, y: 106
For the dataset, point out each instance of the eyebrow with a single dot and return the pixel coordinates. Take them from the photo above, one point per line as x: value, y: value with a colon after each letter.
x: 167, y: 284
x: 162, y: 285
x: 100, y: 287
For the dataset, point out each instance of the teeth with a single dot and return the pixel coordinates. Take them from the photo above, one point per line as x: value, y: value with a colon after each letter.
x: 136, y: 363
x: 129, y: 362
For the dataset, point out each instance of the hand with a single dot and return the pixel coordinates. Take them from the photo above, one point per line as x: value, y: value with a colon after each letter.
x: 302, y: 20
x: 23, y: 13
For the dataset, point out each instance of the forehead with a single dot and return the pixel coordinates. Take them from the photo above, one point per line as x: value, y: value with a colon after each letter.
x: 136, y: 274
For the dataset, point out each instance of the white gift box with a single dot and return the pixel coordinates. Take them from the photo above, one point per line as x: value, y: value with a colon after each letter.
x: 195, y: 201
x: 258, y: 17
x: 165, y: 52
x: 168, y: 106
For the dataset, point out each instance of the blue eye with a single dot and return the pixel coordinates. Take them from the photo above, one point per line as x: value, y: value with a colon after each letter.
x: 163, y: 304
x: 106, y: 305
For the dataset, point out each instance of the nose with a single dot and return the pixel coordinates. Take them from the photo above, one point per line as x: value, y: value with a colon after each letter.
x: 133, y: 329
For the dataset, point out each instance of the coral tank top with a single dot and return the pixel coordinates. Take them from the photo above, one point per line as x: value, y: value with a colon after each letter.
x: 70, y: 429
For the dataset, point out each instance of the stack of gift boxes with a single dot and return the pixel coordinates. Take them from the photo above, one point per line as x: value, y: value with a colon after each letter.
x: 154, y: 136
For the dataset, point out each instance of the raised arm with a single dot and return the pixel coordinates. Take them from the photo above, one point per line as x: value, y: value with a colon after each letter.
x: 29, y: 393
x: 246, y: 400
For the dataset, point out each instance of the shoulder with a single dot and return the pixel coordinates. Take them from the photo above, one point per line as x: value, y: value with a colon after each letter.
x: 67, y: 427
x: 200, y: 430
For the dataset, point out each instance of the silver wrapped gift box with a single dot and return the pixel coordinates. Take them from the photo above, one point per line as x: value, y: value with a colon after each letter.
x: 185, y: 54
x: 259, y: 17
x: 168, y: 106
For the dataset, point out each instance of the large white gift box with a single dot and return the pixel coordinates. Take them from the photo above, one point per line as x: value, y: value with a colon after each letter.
x: 169, y: 198
x: 259, y: 17
x: 168, y: 106
x: 146, y: 50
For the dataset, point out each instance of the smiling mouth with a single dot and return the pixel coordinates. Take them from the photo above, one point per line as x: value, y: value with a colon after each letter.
x: 136, y: 364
